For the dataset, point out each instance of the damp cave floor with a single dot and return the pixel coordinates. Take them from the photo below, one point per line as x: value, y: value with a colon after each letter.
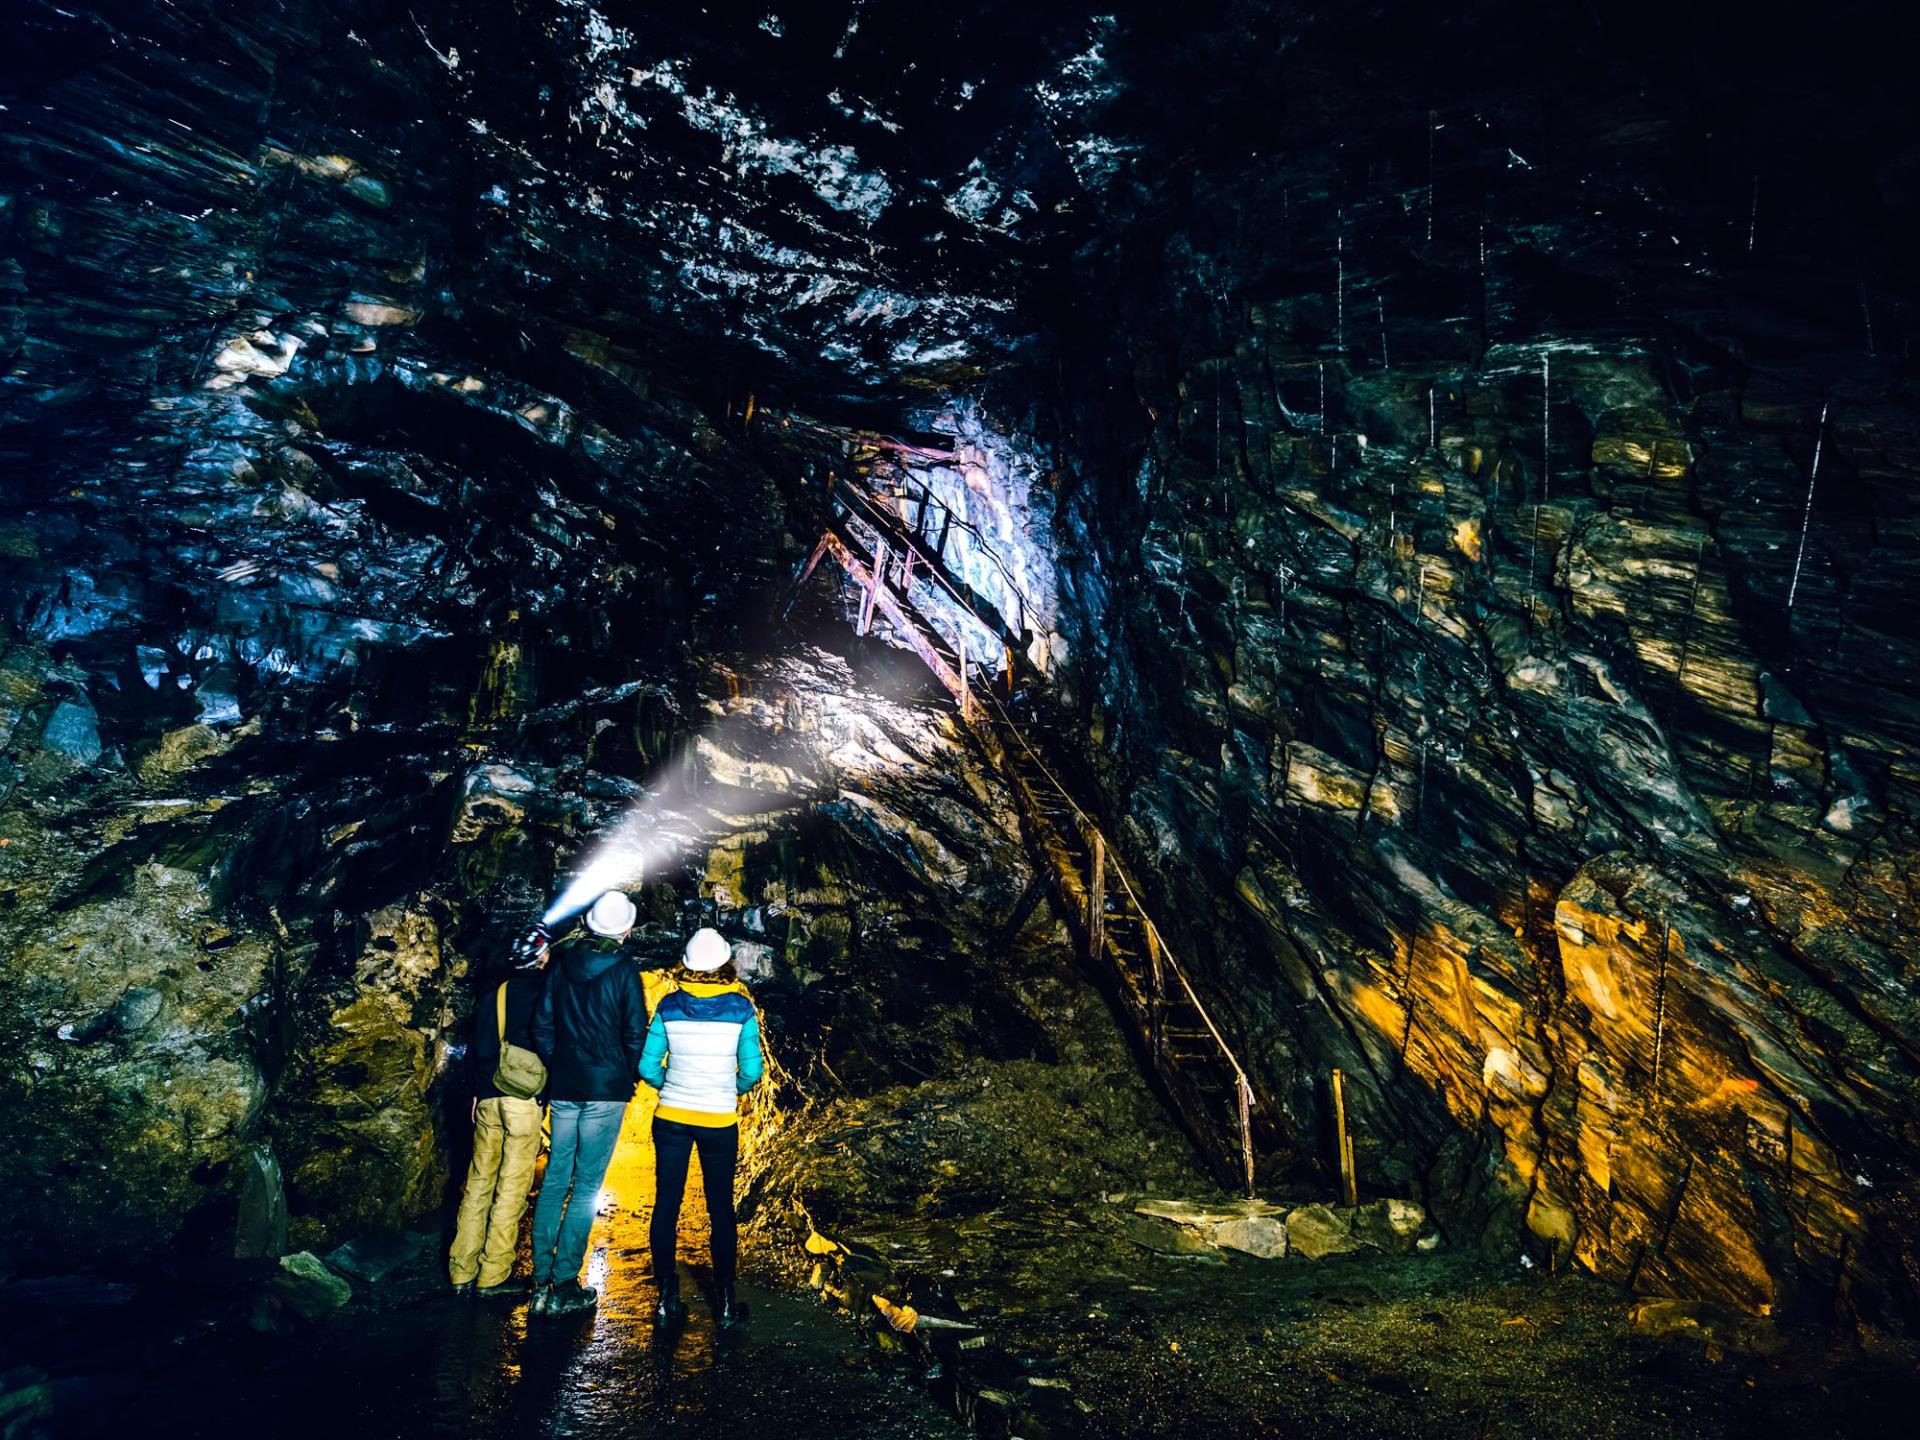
x: 1146, y: 1344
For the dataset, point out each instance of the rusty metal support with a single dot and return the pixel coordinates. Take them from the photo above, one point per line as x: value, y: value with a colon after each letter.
x: 1244, y: 1093
x: 874, y: 582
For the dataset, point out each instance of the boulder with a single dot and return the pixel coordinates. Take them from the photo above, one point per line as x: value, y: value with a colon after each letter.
x: 1261, y: 1236
x: 1391, y: 1225
x: 1318, y: 1230
x: 71, y: 740
x: 1716, y: 1328
x: 1166, y: 1239
x: 305, y: 1286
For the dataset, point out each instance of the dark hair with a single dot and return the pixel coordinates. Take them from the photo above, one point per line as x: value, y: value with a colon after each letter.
x: 725, y: 975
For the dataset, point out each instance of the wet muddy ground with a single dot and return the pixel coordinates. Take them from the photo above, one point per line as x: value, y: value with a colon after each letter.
x: 1082, y: 1317
x: 1066, y: 1313
x: 176, y: 1354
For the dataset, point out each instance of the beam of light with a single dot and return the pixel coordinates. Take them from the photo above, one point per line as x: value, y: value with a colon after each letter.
x: 672, y: 819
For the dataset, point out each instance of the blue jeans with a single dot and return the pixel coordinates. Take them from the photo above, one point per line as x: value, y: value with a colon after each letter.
x: 584, y: 1134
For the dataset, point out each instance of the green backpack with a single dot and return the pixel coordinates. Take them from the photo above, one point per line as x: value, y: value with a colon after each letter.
x: 520, y: 1073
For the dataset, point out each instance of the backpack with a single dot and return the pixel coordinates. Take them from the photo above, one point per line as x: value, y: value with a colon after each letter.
x: 520, y: 1073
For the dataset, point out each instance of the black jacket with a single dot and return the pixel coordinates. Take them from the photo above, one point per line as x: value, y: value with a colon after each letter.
x: 483, y: 1049
x: 591, y: 1023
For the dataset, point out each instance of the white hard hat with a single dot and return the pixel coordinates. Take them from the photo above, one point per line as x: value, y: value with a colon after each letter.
x: 707, y: 950
x: 612, y: 914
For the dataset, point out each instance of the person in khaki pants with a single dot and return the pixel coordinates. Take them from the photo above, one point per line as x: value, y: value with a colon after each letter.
x: 506, y: 1142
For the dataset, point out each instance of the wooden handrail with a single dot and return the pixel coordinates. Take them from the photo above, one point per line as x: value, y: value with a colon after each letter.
x: 903, y: 614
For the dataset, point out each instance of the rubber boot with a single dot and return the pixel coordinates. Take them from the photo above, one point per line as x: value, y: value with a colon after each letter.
x: 731, y: 1310
x: 669, y: 1311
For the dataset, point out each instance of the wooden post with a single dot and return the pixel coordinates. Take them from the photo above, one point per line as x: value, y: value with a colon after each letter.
x: 806, y: 574
x: 873, y: 588
x: 1097, y: 898
x: 1349, y: 1191
x: 1154, y: 969
x: 1244, y: 1092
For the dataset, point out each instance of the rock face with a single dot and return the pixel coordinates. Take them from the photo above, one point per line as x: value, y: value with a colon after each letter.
x: 1492, y: 651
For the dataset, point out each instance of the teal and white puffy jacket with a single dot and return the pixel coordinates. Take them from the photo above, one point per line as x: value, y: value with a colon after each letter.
x: 703, y: 1052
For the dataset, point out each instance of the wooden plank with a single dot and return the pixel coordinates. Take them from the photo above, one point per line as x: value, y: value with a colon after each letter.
x: 806, y: 574
x: 890, y: 607
x: 1343, y: 1138
x: 874, y: 582
x: 1097, y: 897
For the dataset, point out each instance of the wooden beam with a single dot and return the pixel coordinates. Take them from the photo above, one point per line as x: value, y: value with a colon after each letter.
x: 891, y: 608
x: 1097, y: 898
x: 874, y: 582
x: 1244, y: 1093
x: 806, y: 574
x: 1343, y: 1139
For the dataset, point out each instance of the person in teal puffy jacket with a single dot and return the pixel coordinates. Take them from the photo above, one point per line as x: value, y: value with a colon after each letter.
x: 702, y: 1053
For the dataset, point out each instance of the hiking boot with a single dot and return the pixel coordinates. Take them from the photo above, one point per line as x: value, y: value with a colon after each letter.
x: 542, y: 1300
x: 463, y: 1289
x: 669, y: 1311
x: 731, y: 1310
x: 505, y: 1290
x: 571, y: 1296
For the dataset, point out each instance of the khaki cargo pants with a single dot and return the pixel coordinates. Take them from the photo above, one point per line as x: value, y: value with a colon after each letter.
x: 506, y: 1142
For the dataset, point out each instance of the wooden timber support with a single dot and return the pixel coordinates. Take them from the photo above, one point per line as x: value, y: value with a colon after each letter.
x: 875, y: 582
x: 943, y: 670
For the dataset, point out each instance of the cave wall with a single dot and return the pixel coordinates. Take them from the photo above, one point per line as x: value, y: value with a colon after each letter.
x: 1456, y: 466
x: 306, y: 521
x: 399, y: 416
x: 1500, y: 708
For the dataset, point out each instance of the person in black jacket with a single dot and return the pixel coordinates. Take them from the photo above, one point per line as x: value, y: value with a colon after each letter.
x: 506, y: 1143
x: 590, y: 1027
